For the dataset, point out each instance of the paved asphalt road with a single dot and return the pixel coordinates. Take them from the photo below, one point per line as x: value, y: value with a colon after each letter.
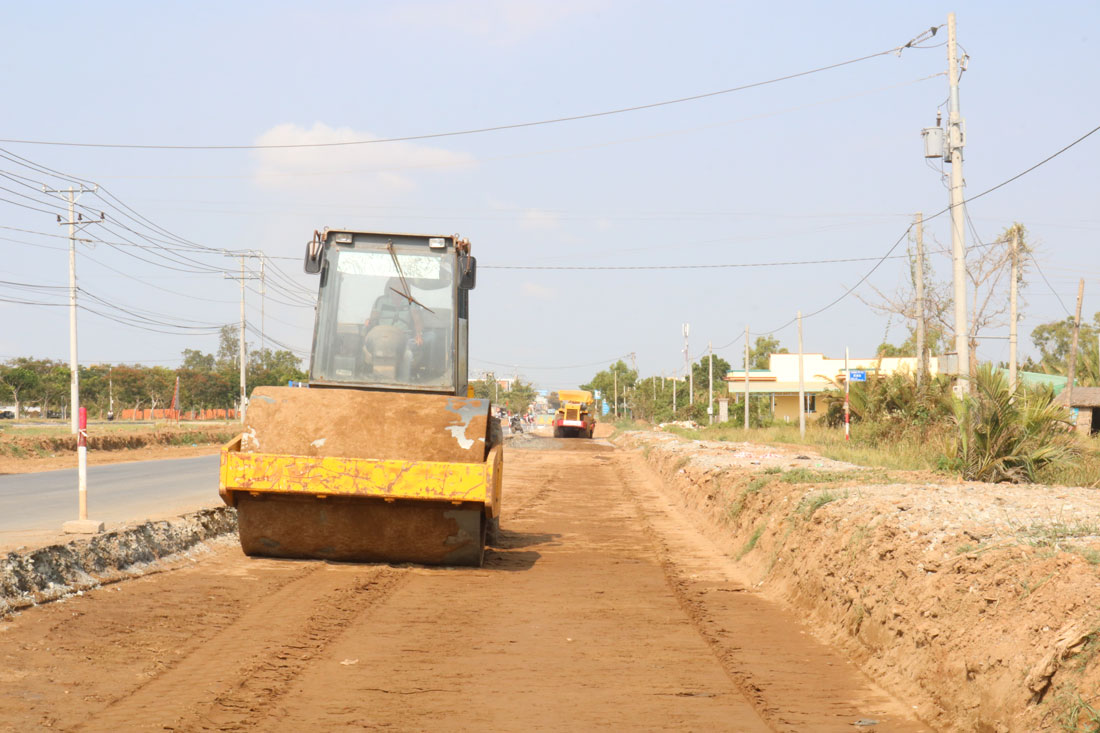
x: 116, y: 493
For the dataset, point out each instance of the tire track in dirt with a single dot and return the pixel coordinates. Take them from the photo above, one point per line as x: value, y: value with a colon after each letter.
x: 796, y: 683
x: 569, y: 627
x: 234, y: 680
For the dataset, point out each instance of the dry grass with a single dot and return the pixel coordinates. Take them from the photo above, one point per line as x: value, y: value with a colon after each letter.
x: 864, y: 449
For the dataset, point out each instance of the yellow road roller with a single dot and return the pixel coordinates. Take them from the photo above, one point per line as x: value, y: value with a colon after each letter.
x: 385, y: 456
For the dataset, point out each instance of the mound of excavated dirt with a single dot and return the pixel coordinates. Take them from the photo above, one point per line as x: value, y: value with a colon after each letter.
x: 981, y: 600
x: 119, y: 440
x: 35, y: 576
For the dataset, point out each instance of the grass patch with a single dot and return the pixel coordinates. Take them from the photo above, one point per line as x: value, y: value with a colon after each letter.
x: 1030, y: 588
x: 772, y: 470
x: 773, y: 558
x: 1077, y: 715
x: 681, y: 463
x: 857, y: 540
x: 813, y: 502
x: 1054, y: 534
x: 756, y: 484
x: 810, y: 476
x: 747, y: 547
x: 1091, y: 555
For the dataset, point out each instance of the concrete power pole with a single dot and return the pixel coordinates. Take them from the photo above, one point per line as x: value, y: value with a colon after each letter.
x: 1012, y: 323
x: 801, y: 384
x: 71, y: 195
x: 710, y: 387
x: 918, y: 283
x: 263, y: 293
x: 242, y: 355
x: 956, y: 139
x: 687, y: 366
x: 746, y: 377
x: 1072, y: 372
x: 615, y: 375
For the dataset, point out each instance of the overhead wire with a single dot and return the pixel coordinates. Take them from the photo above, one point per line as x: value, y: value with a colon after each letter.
x: 1043, y: 275
x: 942, y: 211
x: 912, y: 43
x: 548, y: 368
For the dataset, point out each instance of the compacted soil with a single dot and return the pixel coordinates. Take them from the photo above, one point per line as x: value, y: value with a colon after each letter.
x: 603, y: 607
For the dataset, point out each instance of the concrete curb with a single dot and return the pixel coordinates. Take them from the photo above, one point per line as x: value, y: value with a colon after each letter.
x: 36, y: 576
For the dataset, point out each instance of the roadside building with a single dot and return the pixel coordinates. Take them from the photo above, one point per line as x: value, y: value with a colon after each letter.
x: 1084, y: 406
x: 820, y: 373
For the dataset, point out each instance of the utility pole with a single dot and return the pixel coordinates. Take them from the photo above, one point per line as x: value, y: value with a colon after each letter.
x: 746, y: 377
x: 710, y: 387
x: 615, y: 376
x: 847, y: 384
x: 687, y: 366
x: 918, y: 282
x: 1073, y: 346
x: 71, y: 195
x: 263, y: 293
x: 242, y: 355
x: 801, y: 384
x: 1012, y: 323
x: 956, y: 139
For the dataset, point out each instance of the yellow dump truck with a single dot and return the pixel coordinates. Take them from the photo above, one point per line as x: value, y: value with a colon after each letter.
x: 576, y: 416
x: 384, y: 457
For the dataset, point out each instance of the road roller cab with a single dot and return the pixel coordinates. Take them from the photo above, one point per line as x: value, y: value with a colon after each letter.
x: 385, y: 457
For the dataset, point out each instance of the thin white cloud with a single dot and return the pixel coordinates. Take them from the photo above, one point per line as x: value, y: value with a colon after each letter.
x: 387, y: 166
x: 539, y: 292
x: 539, y: 220
x: 501, y: 22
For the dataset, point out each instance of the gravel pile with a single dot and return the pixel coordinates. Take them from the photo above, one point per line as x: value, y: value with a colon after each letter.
x: 35, y: 576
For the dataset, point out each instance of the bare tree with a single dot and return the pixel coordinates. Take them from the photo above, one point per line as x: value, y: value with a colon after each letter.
x: 988, y: 269
x: 903, y: 302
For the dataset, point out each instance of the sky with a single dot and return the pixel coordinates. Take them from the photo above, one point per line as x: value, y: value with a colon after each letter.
x: 824, y: 166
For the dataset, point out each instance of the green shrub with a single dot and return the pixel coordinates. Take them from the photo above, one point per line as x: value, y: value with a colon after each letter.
x: 1008, y: 435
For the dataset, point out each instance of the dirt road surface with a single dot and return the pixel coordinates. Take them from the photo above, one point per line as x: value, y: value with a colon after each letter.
x: 601, y: 609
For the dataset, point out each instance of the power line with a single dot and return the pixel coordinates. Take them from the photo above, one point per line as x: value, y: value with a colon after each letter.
x: 933, y: 216
x: 572, y: 366
x: 680, y: 267
x: 1043, y: 275
x: 496, y: 128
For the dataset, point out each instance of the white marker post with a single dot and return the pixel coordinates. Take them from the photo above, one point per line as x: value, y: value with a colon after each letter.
x: 83, y: 525
x: 847, y: 382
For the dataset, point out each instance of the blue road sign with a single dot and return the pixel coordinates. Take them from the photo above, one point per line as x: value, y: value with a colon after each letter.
x: 857, y: 375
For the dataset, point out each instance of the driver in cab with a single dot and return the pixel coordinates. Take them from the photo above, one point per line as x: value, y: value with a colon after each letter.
x: 394, y: 308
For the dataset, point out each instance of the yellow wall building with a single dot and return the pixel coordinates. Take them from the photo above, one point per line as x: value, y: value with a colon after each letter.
x: 820, y: 373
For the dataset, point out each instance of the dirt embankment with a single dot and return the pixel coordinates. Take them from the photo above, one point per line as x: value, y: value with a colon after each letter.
x: 32, y: 576
x: 30, y: 453
x: 982, y: 601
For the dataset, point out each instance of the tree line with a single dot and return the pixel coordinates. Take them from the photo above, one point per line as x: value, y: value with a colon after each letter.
x: 652, y: 398
x: 207, y: 381
x: 517, y: 398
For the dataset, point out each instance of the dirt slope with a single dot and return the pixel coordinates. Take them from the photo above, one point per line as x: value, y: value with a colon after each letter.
x: 979, y: 602
x: 602, y: 609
